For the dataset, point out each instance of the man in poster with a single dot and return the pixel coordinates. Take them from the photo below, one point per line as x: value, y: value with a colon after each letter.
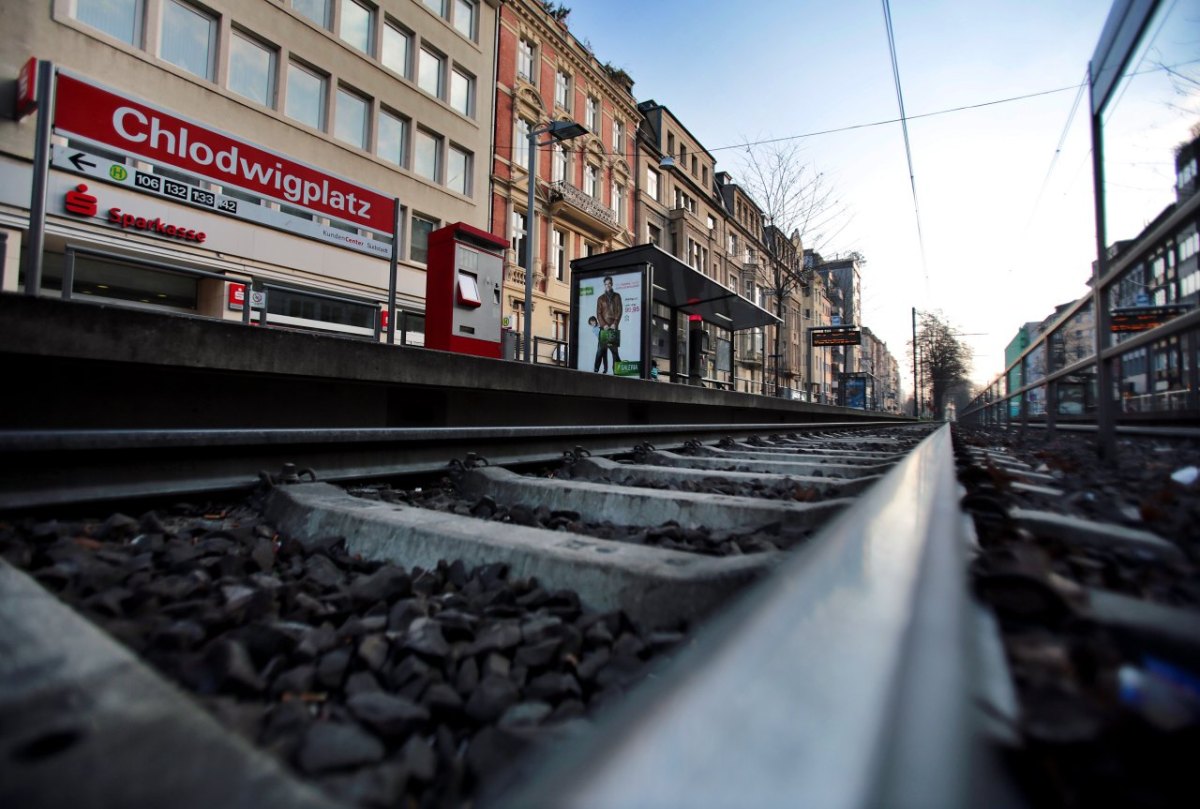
x: 609, y: 310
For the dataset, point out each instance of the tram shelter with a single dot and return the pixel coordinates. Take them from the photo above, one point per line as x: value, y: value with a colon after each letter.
x: 651, y: 283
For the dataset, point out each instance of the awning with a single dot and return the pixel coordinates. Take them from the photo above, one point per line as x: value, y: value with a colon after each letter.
x: 680, y: 287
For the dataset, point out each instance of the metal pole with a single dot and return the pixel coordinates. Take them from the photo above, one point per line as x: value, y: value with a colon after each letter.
x: 41, y: 173
x: 393, y: 270
x: 530, y: 241
x: 68, y: 278
x: 809, y: 368
x: 916, y: 390
x: 1106, y: 440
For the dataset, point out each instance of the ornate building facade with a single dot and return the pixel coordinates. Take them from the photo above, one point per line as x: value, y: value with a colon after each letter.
x: 584, y: 187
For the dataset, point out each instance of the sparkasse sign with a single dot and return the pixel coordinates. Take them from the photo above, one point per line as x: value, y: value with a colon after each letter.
x: 136, y: 128
x: 79, y: 202
x: 26, y: 100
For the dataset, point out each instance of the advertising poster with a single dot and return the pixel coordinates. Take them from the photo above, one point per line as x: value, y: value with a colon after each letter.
x: 856, y: 392
x: 610, y: 324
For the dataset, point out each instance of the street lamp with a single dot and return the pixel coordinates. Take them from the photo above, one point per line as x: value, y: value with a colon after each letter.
x: 558, y: 131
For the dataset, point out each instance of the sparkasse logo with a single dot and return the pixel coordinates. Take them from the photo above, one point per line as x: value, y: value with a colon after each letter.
x: 80, y: 202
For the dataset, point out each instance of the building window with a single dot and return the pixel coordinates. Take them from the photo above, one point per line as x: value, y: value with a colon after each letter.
x: 315, y: 10
x: 189, y: 38
x: 562, y: 89
x: 558, y: 247
x: 458, y: 171
x: 397, y: 45
x: 519, y: 232
x: 464, y: 18
x: 712, y: 223
x: 462, y: 92
x: 561, y: 320
x: 438, y: 7
x: 614, y: 197
x: 558, y: 163
x: 591, y: 181
x: 652, y: 184
x: 120, y: 19
x: 520, y: 155
x: 654, y: 235
x: 525, y: 61
x: 356, y: 25
x: 591, y: 114
x: 731, y: 247
x: 393, y: 137
x: 419, y: 243
x: 431, y: 72
x: 350, y: 121
x: 251, y: 69
x: 618, y: 136
x: 427, y: 157
x: 305, y: 96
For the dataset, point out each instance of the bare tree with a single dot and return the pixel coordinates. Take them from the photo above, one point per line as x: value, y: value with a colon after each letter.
x: 943, y: 361
x: 793, y: 195
x: 800, y: 210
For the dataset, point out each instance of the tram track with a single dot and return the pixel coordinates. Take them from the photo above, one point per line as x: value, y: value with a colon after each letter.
x: 63, y: 467
x: 749, y: 616
x: 647, y: 588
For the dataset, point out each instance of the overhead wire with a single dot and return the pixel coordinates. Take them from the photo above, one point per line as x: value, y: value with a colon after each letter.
x: 912, y: 177
x: 1062, y: 139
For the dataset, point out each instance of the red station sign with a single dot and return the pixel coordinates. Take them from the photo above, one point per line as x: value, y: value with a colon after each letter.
x: 135, y: 128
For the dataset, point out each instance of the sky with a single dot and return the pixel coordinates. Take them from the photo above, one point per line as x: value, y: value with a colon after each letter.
x: 1006, y: 229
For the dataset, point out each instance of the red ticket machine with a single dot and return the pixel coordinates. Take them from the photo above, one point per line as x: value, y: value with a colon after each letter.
x: 463, y: 279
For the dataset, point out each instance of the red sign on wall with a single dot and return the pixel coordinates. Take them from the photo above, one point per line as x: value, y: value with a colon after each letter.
x: 237, y: 297
x: 26, y: 101
x: 139, y: 129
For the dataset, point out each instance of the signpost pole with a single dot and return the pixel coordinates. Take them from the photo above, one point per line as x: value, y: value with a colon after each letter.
x: 41, y: 171
x: 393, y: 270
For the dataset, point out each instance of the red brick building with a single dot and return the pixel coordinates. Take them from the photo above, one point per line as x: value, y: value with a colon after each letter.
x: 586, y: 186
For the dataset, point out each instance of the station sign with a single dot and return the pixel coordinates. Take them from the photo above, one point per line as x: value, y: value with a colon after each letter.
x: 136, y: 128
x: 835, y: 336
x: 1143, y: 318
x: 78, y: 161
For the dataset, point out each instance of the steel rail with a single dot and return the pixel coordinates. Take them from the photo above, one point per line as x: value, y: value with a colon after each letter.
x: 59, y: 467
x: 844, y: 680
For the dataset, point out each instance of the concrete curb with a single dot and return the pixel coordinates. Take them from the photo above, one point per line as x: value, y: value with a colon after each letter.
x: 657, y: 587
x: 626, y: 474
x: 88, y: 725
x: 630, y: 505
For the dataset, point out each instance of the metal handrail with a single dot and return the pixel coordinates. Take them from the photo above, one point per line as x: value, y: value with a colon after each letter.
x: 72, y: 250
x: 250, y: 280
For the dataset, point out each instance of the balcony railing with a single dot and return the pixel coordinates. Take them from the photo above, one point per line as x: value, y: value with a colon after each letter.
x: 577, y: 199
